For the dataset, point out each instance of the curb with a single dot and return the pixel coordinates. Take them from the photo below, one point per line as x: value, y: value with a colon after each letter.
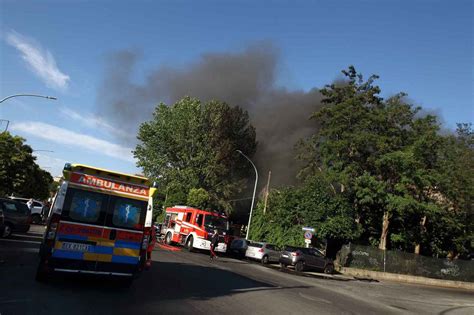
x: 406, y: 278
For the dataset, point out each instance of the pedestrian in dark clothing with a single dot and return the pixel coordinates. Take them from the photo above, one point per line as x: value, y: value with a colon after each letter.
x: 214, y: 243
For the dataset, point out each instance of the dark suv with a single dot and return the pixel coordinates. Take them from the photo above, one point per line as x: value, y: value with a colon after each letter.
x: 17, y: 216
x: 305, y: 258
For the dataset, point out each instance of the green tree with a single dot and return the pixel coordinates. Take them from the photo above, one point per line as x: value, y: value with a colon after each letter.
x: 313, y: 204
x: 451, y: 231
x: 191, y: 145
x: 382, y: 155
x: 198, y: 198
x: 19, y: 173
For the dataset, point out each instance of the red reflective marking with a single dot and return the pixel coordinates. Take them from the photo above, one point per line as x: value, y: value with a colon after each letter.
x: 80, y: 230
x: 128, y: 236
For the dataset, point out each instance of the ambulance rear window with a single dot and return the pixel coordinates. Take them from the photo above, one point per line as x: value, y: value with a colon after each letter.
x: 85, y: 206
x: 128, y: 213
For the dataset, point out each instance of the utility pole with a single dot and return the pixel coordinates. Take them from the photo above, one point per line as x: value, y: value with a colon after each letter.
x: 266, y: 192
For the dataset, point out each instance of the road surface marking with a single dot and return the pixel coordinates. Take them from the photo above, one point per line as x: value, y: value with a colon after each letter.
x: 20, y: 249
x: 19, y: 241
x: 256, y: 289
x: 27, y: 236
x: 315, y: 299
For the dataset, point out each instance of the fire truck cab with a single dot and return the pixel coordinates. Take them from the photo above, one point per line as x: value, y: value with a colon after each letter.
x: 193, y: 228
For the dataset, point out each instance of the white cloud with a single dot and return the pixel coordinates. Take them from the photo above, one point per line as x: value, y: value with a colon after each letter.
x: 41, y: 61
x: 94, y: 122
x: 51, y: 164
x: 67, y: 137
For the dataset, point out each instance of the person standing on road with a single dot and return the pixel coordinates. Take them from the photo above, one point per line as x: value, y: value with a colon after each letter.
x: 30, y: 204
x: 214, y: 243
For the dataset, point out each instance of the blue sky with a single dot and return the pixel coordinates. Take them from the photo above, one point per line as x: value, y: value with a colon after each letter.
x: 59, y: 48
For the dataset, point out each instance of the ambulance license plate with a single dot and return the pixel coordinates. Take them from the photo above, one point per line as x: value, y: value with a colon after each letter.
x: 76, y: 247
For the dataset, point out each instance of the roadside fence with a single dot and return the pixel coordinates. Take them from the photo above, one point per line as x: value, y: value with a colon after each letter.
x: 370, y: 258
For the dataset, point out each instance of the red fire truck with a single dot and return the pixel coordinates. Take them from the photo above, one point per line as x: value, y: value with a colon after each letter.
x: 193, y: 227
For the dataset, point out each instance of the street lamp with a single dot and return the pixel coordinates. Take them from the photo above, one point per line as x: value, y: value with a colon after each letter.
x: 32, y: 95
x: 254, y: 190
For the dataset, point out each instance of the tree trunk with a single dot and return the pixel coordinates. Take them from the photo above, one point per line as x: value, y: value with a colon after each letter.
x: 383, y: 236
x: 418, y: 246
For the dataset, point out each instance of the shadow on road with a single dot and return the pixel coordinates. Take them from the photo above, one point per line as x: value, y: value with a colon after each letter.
x: 164, y: 283
x: 168, y: 281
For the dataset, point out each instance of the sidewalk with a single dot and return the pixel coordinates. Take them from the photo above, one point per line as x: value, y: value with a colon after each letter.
x: 368, y: 274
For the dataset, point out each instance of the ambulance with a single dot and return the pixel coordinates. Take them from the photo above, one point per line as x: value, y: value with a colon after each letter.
x: 192, y: 228
x: 100, y: 223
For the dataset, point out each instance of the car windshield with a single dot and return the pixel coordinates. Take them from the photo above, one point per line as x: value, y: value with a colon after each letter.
x: 259, y: 245
x: 215, y: 222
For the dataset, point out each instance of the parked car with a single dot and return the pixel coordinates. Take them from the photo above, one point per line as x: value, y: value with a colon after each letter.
x: 238, y: 247
x: 306, y: 258
x: 263, y: 252
x: 2, y: 222
x: 37, y: 211
x: 17, y: 216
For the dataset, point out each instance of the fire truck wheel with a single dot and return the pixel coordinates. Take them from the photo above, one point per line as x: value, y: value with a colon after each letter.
x: 189, y: 243
x: 168, y: 239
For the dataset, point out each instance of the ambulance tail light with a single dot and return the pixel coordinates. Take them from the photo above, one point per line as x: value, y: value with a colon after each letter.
x: 53, y: 226
x: 146, y: 238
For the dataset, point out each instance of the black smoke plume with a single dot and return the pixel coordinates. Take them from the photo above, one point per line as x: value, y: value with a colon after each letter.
x: 247, y: 79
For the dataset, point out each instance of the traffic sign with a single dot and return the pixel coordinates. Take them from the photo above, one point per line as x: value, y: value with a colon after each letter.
x: 308, y: 235
x: 307, y: 228
x: 307, y: 241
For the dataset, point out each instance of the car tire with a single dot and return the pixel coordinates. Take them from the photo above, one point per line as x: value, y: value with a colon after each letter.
x: 168, y: 240
x: 329, y: 269
x: 42, y: 273
x: 189, y: 243
x: 265, y: 260
x: 36, y: 219
x: 7, y: 232
x: 283, y: 266
x: 299, y: 266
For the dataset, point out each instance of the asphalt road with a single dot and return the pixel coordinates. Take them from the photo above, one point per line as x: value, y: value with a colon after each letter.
x: 182, y: 282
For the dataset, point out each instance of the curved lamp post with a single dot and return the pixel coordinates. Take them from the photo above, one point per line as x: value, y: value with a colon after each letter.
x: 43, y: 151
x: 32, y: 95
x: 254, y: 190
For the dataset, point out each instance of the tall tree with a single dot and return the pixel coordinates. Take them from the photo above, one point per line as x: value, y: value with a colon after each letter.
x: 190, y: 147
x: 383, y: 152
x: 19, y: 173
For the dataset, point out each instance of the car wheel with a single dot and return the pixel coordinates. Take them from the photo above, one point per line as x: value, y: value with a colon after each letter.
x: 329, y: 269
x: 283, y: 266
x: 8, y: 230
x: 189, y: 243
x: 36, y: 219
x: 265, y: 260
x: 168, y: 239
x: 299, y: 266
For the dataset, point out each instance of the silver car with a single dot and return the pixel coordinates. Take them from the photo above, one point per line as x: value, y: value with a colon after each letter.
x: 263, y: 252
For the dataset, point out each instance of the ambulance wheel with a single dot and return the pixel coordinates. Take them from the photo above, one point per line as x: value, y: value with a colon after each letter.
x: 189, y: 243
x: 168, y: 239
x: 42, y: 273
